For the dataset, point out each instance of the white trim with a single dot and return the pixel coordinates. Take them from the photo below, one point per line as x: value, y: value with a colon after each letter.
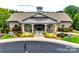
x: 22, y: 28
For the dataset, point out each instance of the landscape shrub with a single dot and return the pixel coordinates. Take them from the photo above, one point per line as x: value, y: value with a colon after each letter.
x: 65, y: 29
x: 27, y: 34
x: 18, y: 33
x: 7, y: 30
x: 2, y: 30
x: 45, y: 33
x: 49, y: 35
x: 62, y: 35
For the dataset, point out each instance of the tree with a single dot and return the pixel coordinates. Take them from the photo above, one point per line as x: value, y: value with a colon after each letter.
x: 76, y: 21
x: 4, y: 15
x: 71, y: 10
x: 77, y: 25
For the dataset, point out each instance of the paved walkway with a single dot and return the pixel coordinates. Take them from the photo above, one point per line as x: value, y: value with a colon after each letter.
x: 70, y: 33
x: 36, y: 47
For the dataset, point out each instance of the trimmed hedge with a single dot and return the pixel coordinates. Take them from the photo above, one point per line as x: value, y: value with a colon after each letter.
x: 62, y: 35
x: 18, y: 33
x: 27, y: 34
x: 49, y: 35
x: 65, y: 29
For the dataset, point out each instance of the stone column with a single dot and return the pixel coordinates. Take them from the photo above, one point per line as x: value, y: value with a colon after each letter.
x: 55, y: 28
x: 32, y: 28
x: 22, y: 28
x: 45, y: 27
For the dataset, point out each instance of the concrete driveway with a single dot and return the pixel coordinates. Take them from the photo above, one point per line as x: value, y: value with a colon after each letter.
x: 36, y: 47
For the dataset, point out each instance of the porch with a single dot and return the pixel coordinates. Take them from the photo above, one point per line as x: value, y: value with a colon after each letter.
x: 39, y: 28
x: 39, y: 23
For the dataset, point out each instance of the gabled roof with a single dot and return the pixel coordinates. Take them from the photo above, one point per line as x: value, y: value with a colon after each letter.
x: 38, y: 20
x: 53, y: 15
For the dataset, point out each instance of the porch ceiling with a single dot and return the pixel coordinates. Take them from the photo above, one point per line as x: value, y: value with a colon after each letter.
x: 38, y: 21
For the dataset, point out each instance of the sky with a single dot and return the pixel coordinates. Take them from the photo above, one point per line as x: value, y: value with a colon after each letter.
x: 48, y: 5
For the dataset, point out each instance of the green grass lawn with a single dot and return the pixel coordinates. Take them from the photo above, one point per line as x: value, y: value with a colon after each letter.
x: 74, y: 39
x: 6, y: 36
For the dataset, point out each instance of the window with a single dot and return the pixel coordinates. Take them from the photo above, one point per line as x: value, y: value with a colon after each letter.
x: 29, y: 27
x: 63, y: 26
x: 50, y: 28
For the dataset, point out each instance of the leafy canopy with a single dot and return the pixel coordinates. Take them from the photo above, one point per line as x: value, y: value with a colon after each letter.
x: 4, y: 15
x: 71, y: 10
x: 76, y: 21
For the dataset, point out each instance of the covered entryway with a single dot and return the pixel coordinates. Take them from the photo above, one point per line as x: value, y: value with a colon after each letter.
x: 39, y: 29
x: 38, y: 24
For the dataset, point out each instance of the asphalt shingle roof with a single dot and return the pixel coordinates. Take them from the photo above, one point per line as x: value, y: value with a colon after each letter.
x: 53, y: 15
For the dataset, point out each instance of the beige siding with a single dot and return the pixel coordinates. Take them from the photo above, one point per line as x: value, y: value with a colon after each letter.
x: 12, y: 24
x: 66, y: 24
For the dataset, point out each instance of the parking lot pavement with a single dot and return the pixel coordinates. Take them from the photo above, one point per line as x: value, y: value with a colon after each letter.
x: 36, y: 47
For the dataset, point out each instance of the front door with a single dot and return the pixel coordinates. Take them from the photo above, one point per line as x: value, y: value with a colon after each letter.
x: 39, y: 29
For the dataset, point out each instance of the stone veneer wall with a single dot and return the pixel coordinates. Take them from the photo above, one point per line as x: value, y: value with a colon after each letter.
x: 12, y: 24
x: 66, y: 25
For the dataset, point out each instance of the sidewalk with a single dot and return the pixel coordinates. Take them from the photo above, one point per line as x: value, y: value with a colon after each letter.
x: 69, y: 33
